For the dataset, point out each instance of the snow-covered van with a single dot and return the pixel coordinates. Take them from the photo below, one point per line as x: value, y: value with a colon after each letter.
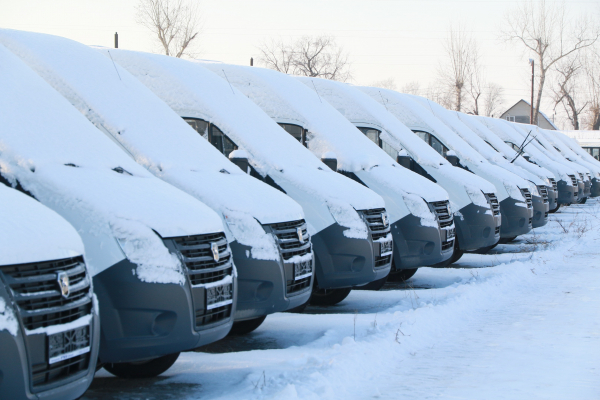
x: 535, y: 139
x: 513, y: 192
x: 136, y: 229
x: 421, y: 220
x: 472, y: 131
x: 546, y: 189
x: 347, y: 222
x: 585, y: 156
x: 265, y: 228
x: 570, y: 155
x: 473, y: 200
x: 49, y: 325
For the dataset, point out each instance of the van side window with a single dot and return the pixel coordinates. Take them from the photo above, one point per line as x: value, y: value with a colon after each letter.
x: 296, y: 131
x: 513, y: 146
x: 423, y: 135
x: 438, y: 146
x: 199, y: 126
x: 372, y: 134
x: 392, y: 152
x: 220, y: 140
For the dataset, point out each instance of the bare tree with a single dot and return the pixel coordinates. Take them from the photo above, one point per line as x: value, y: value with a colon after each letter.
x: 566, y: 90
x: 462, y: 54
x: 592, y: 84
x: 176, y: 24
x: 441, y: 95
x: 412, y: 87
x: 545, y: 29
x: 493, y: 100
x: 475, y: 87
x: 317, y: 56
x: 388, y: 83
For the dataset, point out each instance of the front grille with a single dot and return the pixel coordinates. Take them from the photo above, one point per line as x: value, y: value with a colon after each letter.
x: 40, y: 303
x: 203, y: 267
x: 553, y: 182
x: 530, y: 221
x: 493, y: 201
x: 573, y: 180
x: 527, y: 195
x: 445, y: 221
x: 581, y: 176
x: 379, y: 228
x: 293, y: 240
x: 496, y: 230
x: 546, y: 215
x: 447, y: 245
x: 543, y: 192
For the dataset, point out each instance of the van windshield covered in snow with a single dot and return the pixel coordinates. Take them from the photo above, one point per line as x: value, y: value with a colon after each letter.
x: 433, y: 142
x: 513, y: 146
x: 296, y: 131
x: 374, y: 135
x: 214, y: 135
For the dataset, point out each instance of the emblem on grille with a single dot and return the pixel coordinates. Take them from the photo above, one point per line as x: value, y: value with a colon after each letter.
x: 384, y: 219
x: 215, y: 250
x: 300, y: 236
x: 63, y: 282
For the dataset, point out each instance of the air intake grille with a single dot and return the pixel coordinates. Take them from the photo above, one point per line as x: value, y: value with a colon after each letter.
x: 199, y: 254
x: 493, y: 201
x: 379, y: 227
x: 527, y: 196
x: 581, y: 176
x: 573, y: 180
x: 553, y: 182
x: 443, y: 215
x: 293, y: 240
x: 543, y: 192
x: 41, y: 304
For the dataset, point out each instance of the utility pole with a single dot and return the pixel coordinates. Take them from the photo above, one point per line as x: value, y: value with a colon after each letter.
x: 532, y: 62
x: 251, y: 61
x: 116, y: 40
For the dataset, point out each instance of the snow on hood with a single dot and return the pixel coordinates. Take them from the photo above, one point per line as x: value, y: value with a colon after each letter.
x: 62, y: 160
x: 32, y: 232
x: 156, y: 137
x: 566, y: 151
x: 193, y: 91
x: 359, y: 108
x: 285, y: 99
x: 507, y: 132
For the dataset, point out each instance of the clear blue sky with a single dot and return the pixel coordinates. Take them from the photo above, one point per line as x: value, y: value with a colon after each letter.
x: 401, y: 39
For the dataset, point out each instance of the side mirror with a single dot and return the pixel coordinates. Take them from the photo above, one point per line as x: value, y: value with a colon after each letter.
x: 330, y: 159
x: 240, y: 158
x: 404, y: 159
x: 452, y: 158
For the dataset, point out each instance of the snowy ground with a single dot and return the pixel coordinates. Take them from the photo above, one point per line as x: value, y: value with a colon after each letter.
x: 520, y: 323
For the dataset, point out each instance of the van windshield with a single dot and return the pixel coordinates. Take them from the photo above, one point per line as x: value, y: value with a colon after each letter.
x: 375, y: 137
x: 513, y: 146
x: 296, y: 131
x: 199, y: 126
x: 372, y: 134
x: 433, y: 142
x: 213, y: 134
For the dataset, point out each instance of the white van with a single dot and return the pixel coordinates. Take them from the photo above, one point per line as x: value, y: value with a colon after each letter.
x: 584, y: 156
x: 135, y: 228
x: 347, y: 222
x: 513, y: 192
x: 420, y: 218
x: 46, y: 297
x: 256, y: 216
x: 477, y: 221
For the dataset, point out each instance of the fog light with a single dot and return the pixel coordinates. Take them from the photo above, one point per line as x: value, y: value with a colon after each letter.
x: 486, y: 231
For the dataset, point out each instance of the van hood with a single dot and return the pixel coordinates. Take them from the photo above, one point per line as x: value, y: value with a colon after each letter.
x: 32, y: 232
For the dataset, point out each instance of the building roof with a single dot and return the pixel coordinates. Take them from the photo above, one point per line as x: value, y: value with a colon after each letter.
x: 507, y: 113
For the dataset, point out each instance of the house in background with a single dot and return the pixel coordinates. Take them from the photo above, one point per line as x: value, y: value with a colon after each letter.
x: 520, y: 113
x: 588, y: 140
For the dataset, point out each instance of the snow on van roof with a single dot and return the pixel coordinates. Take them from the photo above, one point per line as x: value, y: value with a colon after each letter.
x: 32, y: 232
x: 286, y: 99
x: 59, y: 157
x: 508, y: 133
x: 576, y: 147
x: 566, y: 151
x: 157, y: 138
x: 360, y: 109
x: 194, y: 91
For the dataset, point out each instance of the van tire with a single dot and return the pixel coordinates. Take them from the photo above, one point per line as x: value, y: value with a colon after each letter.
x: 298, y: 310
x: 245, y: 327
x: 554, y: 210
x: 506, y: 240
x: 375, y: 285
x: 328, y: 297
x: 402, y: 275
x: 142, y: 369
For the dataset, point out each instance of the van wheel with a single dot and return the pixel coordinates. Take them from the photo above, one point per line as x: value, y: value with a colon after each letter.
x: 375, y: 285
x: 582, y: 201
x: 506, y: 240
x: 298, y: 310
x: 328, y: 297
x: 402, y: 275
x: 554, y: 210
x: 142, y: 369
x: 484, y: 250
x: 245, y: 327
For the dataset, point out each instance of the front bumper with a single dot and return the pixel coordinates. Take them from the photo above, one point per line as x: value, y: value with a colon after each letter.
x: 552, y: 197
x: 567, y: 193
x: 595, y: 189
x: 516, y: 218
x: 417, y: 246
x: 342, y: 262
x: 18, y: 353
x: 540, y: 211
x: 262, y: 285
x: 476, y: 227
x: 142, y: 320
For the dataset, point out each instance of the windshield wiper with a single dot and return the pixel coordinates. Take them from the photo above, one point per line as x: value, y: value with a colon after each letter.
x: 522, y: 147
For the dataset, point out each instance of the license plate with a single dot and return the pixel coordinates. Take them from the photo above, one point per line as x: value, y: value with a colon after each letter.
x: 65, y: 345
x: 386, y: 247
x: 302, y: 270
x: 219, y: 296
